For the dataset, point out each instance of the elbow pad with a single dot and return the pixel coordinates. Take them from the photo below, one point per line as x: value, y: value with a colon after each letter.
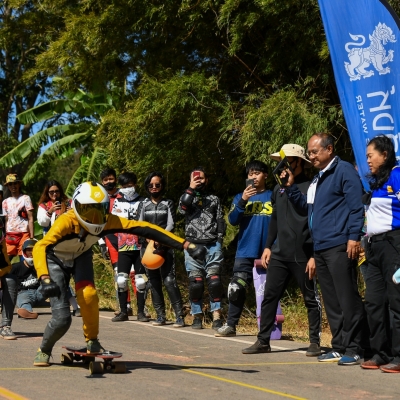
x: 187, y: 198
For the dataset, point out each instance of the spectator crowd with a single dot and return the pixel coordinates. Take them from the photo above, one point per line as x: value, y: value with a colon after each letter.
x: 306, y: 229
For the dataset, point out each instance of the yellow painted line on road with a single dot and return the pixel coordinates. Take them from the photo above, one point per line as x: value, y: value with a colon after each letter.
x: 7, y: 394
x: 261, y: 389
x: 252, y: 364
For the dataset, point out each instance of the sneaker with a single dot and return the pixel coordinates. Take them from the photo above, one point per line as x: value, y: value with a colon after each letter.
x: 217, y: 324
x: 197, y: 323
x: 179, y: 323
x: 120, y: 317
x: 226, y: 331
x: 391, y: 367
x: 330, y: 357
x: 77, y: 313
x: 257, y: 348
x: 41, y: 359
x: 350, y: 360
x: 7, y: 333
x: 142, y: 318
x: 159, y: 321
x: 130, y: 312
x: 313, y: 350
x: 93, y: 346
x: 146, y: 312
x: 373, y: 363
x: 24, y: 313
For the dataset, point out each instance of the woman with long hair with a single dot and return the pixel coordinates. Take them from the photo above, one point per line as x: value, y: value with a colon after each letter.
x: 383, y: 255
x: 52, y: 203
x: 160, y: 211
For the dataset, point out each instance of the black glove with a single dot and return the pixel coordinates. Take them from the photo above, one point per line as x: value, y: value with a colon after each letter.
x: 104, y: 252
x: 197, y: 252
x: 50, y: 288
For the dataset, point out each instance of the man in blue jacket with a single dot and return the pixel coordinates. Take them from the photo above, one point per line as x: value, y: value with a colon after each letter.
x: 335, y: 218
x: 251, y: 210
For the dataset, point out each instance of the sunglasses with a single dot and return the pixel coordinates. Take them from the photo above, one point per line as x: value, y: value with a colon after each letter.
x: 154, y: 185
x: 12, y: 183
x: 54, y: 192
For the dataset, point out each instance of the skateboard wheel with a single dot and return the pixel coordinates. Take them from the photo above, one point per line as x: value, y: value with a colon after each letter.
x: 96, y: 367
x: 280, y: 318
x: 119, y: 368
x: 67, y: 359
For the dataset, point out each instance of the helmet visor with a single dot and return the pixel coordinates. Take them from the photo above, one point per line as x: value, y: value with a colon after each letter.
x: 94, y: 213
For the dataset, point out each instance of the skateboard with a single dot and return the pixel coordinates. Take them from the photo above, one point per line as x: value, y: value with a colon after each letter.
x: 95, y: 367
x: 260, y: 278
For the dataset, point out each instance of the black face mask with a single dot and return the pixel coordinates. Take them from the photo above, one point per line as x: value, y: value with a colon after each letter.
x: 155, y: 195
x: 201, y: 187
x: 110, y: 186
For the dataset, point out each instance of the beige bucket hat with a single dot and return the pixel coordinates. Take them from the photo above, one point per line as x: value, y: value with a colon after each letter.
x: 293, y: 150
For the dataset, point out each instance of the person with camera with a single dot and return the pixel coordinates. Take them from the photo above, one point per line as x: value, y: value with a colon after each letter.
x: 161, y: 211
x: 204, y: 224
x: 52, y: 203
x: 18, y: 211
x: 251, y: 210
x: 288, y: 254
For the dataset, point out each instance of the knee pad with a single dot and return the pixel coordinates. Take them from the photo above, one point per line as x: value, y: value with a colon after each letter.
x: 215, y: 288
x: 121, y: 282
x: 170, y: 281
x: 196, y: 287
x: 141, y: 282
x: 237, y: 287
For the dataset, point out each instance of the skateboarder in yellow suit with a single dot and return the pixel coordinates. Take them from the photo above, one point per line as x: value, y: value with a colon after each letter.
x: 67, y: 250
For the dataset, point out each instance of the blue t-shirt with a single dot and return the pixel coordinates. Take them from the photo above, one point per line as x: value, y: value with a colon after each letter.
x: 253, y: 221
x: 383, y: 214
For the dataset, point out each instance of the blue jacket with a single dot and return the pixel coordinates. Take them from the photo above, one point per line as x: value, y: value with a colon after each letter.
x: 253, y: 219
x: 337, y: 214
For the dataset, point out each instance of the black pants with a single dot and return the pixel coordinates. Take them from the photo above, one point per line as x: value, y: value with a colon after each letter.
x: 166, y: 274
x: 125, y: 261
x: 383, y: 260
x: 337, y: 275
x: 235, y: 309
x: 279, y: 275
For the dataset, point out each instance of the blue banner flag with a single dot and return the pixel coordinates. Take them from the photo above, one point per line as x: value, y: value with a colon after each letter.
x: 364, y: 43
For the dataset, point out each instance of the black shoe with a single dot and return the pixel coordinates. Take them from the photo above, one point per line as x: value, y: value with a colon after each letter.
x: 216, y: 324
x: 142, y: 318
x: 257, y: 348
x: 120, y: 317
x: 313, y: 350
x: 197, y: 323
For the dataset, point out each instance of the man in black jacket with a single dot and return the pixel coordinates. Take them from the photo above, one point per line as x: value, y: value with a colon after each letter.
x: 288, y: 253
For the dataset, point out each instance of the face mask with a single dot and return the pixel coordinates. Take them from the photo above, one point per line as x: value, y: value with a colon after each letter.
x: 201, y: 187
x: 155, y: 195
x: 128, y: 193
x: 110, y: 186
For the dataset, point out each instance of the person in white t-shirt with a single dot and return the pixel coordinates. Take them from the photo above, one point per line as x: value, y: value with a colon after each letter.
x: 18, y: 211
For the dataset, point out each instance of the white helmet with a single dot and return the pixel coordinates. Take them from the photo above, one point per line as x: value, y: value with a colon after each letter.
x: 28, y: 244
x: 91, y: 205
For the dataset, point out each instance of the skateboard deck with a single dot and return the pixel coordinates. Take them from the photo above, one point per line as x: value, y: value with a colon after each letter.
x: 95, y: 367
x: 260, y: 277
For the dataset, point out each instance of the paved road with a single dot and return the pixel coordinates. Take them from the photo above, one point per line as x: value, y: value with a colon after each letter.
x: 169, y: 363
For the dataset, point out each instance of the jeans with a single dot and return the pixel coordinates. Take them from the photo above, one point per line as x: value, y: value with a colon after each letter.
x: 29, y: 298
x: 214, y: 259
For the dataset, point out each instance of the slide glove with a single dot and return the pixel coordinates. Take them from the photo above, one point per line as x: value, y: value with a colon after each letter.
x: 197, y: 252
x: 49, y: 288
x: 104, y: 252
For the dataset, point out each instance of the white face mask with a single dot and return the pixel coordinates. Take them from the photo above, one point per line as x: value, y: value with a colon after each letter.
x: 128, y: 193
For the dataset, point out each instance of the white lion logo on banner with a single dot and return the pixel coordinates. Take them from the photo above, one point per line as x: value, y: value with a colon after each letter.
x: 361, y: 58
